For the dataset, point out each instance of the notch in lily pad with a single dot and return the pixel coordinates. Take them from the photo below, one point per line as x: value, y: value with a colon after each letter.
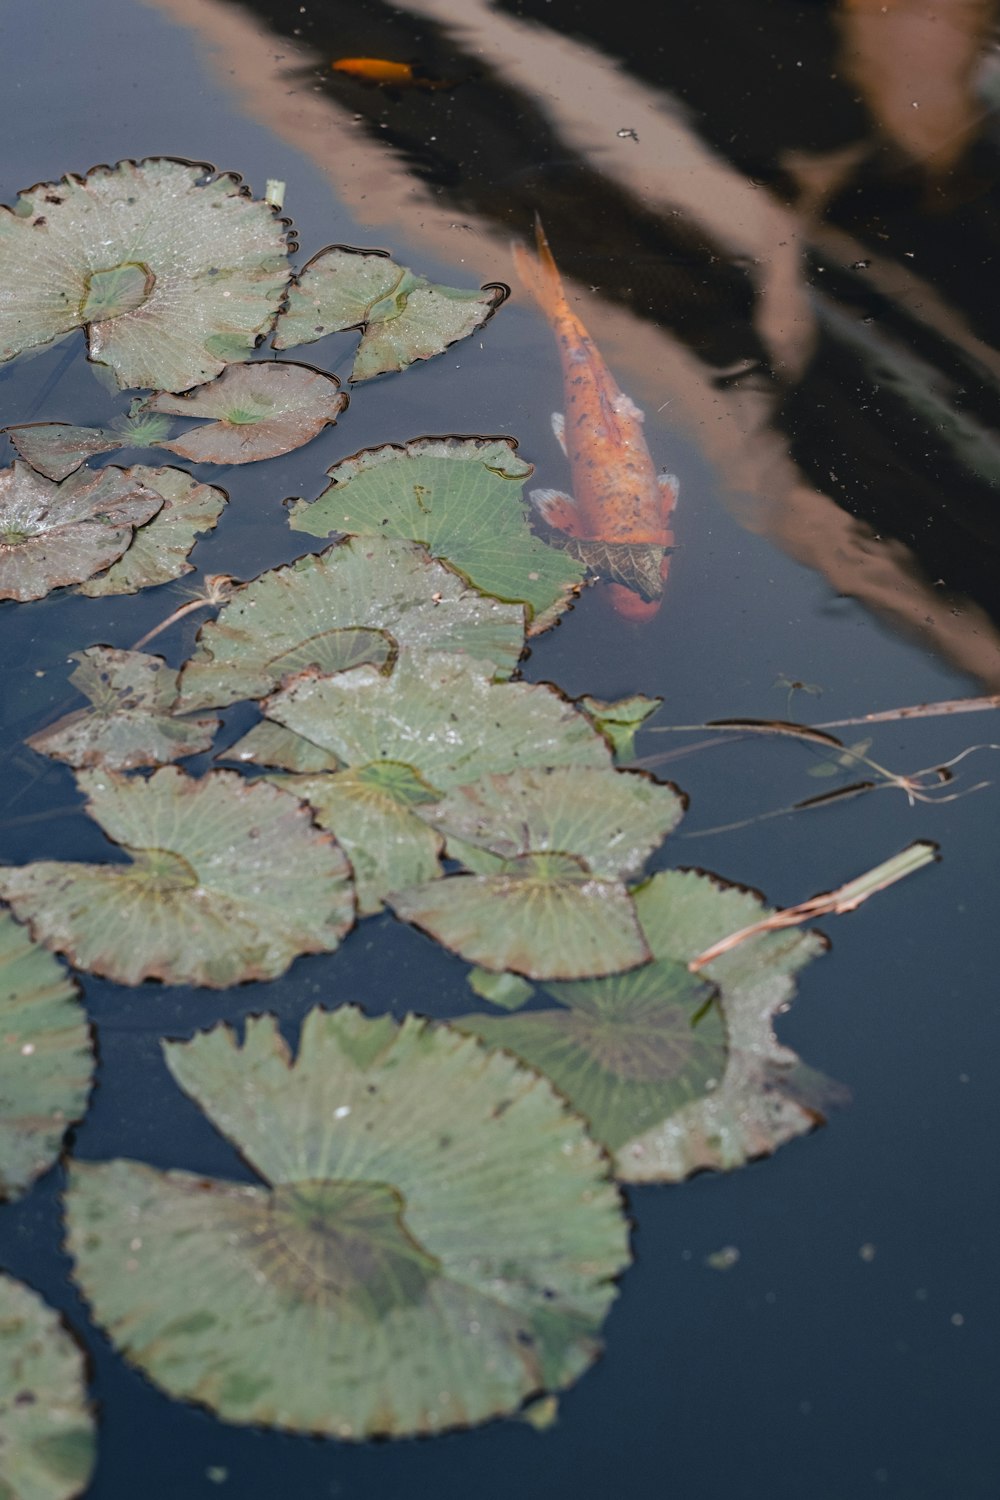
x: 403, y: 316
x: 225, y: 881
x: 174, y: 270
x: 433, y: 1237
x: 551, y: 850
x: 461, y: 497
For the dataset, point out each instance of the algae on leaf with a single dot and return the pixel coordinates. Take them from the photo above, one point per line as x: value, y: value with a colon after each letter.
x: 46, y: 1427
x: 130, y: 721
x: 434, y: 1239
x: 173, y: 269
x: 461, y: 497
x: 355, y: 602
x: 226, y: 881
x: 56, y: 534
x: 405, y: 317
x: 160, y: 549
x: 46, y: 1059
x: 262, y: 409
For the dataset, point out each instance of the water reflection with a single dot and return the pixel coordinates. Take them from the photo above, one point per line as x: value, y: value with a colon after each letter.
x: 778, y: 272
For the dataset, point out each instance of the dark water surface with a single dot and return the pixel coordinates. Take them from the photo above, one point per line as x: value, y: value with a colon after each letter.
x: 799, y: 287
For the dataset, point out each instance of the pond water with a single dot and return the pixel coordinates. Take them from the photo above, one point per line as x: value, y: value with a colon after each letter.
x: 780, y: 224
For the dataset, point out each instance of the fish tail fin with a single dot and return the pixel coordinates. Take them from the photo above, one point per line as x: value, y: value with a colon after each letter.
x: 539, y: 273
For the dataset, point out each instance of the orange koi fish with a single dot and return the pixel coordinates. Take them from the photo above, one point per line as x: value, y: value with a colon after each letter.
x: 392, y: 74
x: 619, y: 520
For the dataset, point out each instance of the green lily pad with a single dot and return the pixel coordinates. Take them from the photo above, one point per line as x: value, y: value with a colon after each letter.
x: 46, y: 1426
x: 129, y: 722
x: 174, y: 271
x: 56, y: 534
x: 437, y: 722
x: 461, y: 497
x: 620, y: 721
x: 160, y: 549
x: 338, y: 608
x: 268, y: 744
x: 263, y: 409
x: 405, y: 317
x: 227, y: 880
x: 509, y: 991
x: 57, y: 449
x: 433, y: 1240
x: 46, y: 1060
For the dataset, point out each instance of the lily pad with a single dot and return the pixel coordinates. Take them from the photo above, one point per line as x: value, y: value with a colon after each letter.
x: 461, y: 497
x: 437, y: 722
x: 263, y: 409
x: 129, y: 722
x: 268, y: 744
x: 552, y: 849
x: 335, y: 609
x: 46, y: 1426
x: 160, y: 549
x: 226, y: 881
x: 405, y: 317
x: 57, y: 449
x: 46, y: 1060
x: 620, y: 721
x: 173, y: 270
x: 433, y: 1240
x: 55, y: 534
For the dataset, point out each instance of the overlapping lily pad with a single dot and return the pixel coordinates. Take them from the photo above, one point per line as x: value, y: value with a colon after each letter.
x: 353, y: 603
x: 173, y: 270
x: 57, y: 449
x: 46, y: 1427
x: 433, y: 1241
x: 56, y: 534
x: 404, y: 316
x: 461, y: 497
x: 262, y: 409
x: 437, y: 722
x: 553, y: 848
x: 226, y: 881
x: 46, y: 1060
x: 159, y: 551
x: 676, y: 1075
x: 130, y: 721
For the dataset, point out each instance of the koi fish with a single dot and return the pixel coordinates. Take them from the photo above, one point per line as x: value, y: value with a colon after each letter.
x: 619, y: 521
x: 393, y: 74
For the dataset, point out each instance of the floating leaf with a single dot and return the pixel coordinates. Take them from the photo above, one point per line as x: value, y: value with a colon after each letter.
x: 264, y: 409
x: 227, y: 880
x: 129, y: 722
x: 46, y: 1060
x: 635, y: 565
x: 268, y: 744
x: 461, y: 497
x: 46, y: 1427
x: 55, y: 534
x: 506, y: 990
x: 405, y: 317
x: 438, y: 721
x: 338, y: 608
x: 57, y: 449
x: 159, y: 550
x: 174, y: 271
x: 620, y: 721
x: 433, y: 1242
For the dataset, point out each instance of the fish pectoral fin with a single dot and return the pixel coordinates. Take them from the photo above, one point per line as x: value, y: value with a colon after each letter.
x: 669, y: 486
x: 559, y: 428
x: 557, y: 510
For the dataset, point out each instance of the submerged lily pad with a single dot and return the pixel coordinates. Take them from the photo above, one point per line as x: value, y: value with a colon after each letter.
x: 227, y: 880
x: 56, y: 534
x: 173, y: 270
x: 433, y: 1241
x: 675, y: 1075
x: 437, y: 722
x: 46, y: 1060
x: 46, y: 1426
x: 57, y: 449
x: 405, y: 317
x: 129, y: 722
x: 263, y: 409
x: 160, y: 549
x: 335, y: 609
x: 553, y: 848
x: 461, y: 497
